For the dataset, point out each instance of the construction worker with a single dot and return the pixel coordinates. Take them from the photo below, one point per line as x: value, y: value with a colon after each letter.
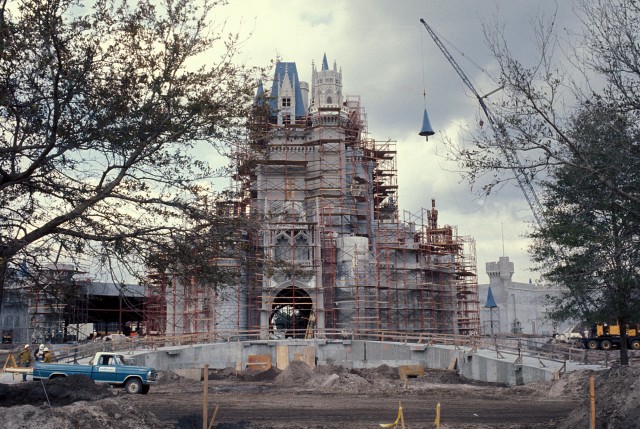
x: 48, y: 355
x: 25, y: 360
x: 39, y: 354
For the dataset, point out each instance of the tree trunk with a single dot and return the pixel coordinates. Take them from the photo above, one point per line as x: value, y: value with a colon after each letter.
x: 3, y: 276
x: 624, y: 356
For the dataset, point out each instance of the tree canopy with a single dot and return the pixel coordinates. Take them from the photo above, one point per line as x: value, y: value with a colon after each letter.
x: 109, y: 116
x: 588, y: 242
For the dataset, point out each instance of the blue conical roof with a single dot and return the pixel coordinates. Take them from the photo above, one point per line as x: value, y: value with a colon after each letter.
x: 286, y: 69
x: 491, y: 303
x: 427, y: 129
x: 325, y: 64
x: 260, y: 96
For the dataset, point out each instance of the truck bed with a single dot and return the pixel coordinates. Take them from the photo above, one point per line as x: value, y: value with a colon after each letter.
x: 44, y: 370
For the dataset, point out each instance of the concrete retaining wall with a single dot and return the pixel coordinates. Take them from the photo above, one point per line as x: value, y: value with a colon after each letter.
x: 482, y: 365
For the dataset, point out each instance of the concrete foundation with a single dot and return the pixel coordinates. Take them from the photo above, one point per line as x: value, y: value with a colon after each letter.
x: 480, y: 365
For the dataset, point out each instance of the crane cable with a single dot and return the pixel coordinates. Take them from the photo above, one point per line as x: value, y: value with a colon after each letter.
x: 462, y: 54
x: 424, y: 84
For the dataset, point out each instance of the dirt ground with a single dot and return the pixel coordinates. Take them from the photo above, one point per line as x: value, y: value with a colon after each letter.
x: 326, y: 397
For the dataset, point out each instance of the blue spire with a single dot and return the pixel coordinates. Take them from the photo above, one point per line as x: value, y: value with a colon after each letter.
x: 286, y: 69
x: 260, y: 98
x: 491, y: 303
x: 325, y: 64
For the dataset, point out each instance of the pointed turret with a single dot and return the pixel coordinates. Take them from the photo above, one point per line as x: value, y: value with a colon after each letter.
x: 426, y: 130
x: 286, y: 98
x: 326, y: 86
x: 259, y: 100
x: 491, y: 303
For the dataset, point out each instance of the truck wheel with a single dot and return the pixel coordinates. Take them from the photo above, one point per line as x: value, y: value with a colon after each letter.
x: 145, y: 389
x: 635, y: 345
x: 592, y: 344
x: 133, y: 386
x: 605, y: 345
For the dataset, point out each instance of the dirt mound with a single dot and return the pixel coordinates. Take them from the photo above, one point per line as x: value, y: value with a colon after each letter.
x: 61, y: 391
x: 371, y: 374
x: 352, y: 383
x: 222, y: 374
x: 168, y: 377
x: 571, y: 384
x: 268, y: 375
x: 94, y: 415
x: 617, y: 396
x: 329, y: 369
x: 443, y: 376
x: 297, y: 372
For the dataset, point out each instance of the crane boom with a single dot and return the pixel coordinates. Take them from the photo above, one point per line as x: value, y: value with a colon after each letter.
x: 511, y: 157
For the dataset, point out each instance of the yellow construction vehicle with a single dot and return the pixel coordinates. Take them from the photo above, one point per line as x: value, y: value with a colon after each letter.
x: 605, y: 337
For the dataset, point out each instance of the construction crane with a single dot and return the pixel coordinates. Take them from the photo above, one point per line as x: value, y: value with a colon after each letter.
x: 511, y: 157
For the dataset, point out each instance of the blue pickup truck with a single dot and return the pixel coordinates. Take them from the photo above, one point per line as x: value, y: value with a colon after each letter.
x: 110, y: 368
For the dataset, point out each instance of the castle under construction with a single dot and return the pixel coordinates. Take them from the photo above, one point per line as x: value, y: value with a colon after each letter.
x: 330, y: 252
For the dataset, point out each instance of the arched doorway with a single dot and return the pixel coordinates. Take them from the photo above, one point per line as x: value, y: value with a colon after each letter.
x: 290, y: 312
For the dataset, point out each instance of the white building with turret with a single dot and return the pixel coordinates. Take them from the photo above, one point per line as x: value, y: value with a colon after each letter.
x: 509, y: 307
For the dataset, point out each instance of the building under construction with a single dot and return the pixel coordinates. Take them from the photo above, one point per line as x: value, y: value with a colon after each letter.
x: 330, y: 251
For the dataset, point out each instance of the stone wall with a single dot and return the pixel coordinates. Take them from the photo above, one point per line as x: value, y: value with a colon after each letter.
x: 485, y: 366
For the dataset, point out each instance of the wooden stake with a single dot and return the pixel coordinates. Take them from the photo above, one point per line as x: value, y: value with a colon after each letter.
x: 213, y: 419
x: 204, y: 402
x: 437, y: 422
x: 592, y: 395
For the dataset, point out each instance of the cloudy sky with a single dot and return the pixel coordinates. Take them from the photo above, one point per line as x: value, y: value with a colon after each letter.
x: 388, y: 59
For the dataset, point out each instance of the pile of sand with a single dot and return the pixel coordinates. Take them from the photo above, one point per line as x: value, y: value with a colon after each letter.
x: 60, y: 391
x: 95, y: 415
x: 329, y: 378
x: 168, y: 377
x: 617, y: 395
x: 72, y: 402
x: 297, y: 372
x: 270, y: 374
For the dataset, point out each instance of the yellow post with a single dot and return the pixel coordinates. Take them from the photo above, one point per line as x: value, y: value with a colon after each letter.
x: 399, y: 419
x: 592, y: 395
x: 204, y: 402
x: 437, y: 422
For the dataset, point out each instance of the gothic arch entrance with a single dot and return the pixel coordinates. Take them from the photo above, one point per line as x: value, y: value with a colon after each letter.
x: 290, y: 312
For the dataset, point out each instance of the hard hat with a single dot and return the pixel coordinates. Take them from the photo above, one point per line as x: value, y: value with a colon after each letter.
x: 26, y: 346
x: 46, y: 349
x: 41, y: 346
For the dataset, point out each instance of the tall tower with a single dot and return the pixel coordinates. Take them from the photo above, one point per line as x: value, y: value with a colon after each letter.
x: 327, y: 86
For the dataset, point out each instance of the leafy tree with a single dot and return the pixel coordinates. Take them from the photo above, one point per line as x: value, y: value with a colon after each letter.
x: 108, y: 116
x: 589, y: 243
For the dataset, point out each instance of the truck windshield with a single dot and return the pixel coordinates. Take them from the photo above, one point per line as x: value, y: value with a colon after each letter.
x: 121, y: 360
